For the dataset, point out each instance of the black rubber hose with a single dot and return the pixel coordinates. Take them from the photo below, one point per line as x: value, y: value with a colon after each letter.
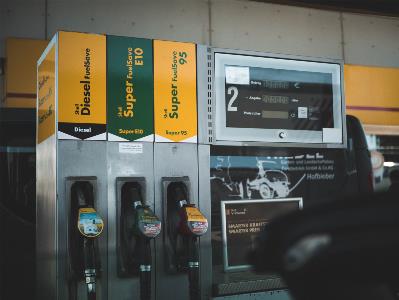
x: 193, y: 269
x: 91, y: 296
x: 145, y: 270
x: 90, y: 267
x: 89, y: 254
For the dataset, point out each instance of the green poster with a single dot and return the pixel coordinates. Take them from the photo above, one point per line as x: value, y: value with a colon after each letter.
x: 130, y: 97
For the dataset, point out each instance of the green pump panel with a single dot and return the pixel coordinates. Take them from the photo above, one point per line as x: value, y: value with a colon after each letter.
x: 130, y: 96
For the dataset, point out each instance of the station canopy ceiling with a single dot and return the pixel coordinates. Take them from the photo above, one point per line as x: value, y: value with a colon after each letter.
x: 377, y: 7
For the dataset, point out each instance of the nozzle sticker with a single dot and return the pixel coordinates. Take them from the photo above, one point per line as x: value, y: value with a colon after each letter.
x: 197, y: 222
x: 193, y: 214
x: 90, y: 223
x: 149, y: 224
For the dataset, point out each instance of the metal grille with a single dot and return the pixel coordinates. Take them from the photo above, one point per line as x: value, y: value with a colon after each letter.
x: 249, y: 286
x: 209, y: 96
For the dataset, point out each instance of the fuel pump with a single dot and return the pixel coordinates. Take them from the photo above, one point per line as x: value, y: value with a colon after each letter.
x: 139, y: 225
x: 185, y: 226
x: 88, y: 226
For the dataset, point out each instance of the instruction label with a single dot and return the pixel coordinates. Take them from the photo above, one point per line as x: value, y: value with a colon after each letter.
x: 130, y: 98
x: 132, y: 148
x: 81, y: 86
x: 46, y: 97
x: 175, y: 92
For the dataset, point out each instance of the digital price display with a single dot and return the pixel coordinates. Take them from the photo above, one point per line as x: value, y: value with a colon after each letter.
x: 258, y: 98
x: 304, y: 100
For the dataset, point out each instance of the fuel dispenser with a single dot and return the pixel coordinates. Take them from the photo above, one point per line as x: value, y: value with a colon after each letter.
x: 85, y: 227
x: 177, y: 131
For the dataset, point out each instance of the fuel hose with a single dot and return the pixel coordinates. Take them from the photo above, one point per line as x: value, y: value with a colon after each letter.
x: 148, y: 226
x: 193, y: 268
x: 90, y: 268
x: 145, y: 271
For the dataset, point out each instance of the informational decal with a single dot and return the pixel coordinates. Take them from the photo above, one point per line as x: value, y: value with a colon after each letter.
x: 132, y: 148
x: 175, y: 92
x: 242, y: 221
x: 90, y: 223
x: 81, y: 86
x: 46, y: 97
x: 266, y: 177
x: 268, y: 98
x: 193, y: 214
x: 130, y: 98
x: 237, y: 75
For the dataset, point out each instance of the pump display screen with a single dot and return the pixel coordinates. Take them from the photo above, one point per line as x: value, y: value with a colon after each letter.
x: 278, y: 99
x: 259, y: 97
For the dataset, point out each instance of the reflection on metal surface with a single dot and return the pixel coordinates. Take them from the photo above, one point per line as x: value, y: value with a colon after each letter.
x: 304, y: 250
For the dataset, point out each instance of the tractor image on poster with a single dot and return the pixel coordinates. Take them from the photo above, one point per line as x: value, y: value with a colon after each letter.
x: 269, y: 183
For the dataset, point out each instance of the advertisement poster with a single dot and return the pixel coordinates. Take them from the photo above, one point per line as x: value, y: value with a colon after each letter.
x: 243, y: 176
x: 243, y: 221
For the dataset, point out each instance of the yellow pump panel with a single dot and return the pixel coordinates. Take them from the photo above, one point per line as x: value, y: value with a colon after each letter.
x: 20, y: 79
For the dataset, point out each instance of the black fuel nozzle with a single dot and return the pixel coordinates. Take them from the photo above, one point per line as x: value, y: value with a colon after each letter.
x: 89, y: 266
x: 193, y: 224
x: 146, y: 227
x: 192, y: 221
x: 90, y: 226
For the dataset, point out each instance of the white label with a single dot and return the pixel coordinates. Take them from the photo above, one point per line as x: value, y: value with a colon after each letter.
x: 237, y: 75
x: 133, y: 148
x: 302, y: 112
x: 332, y: 135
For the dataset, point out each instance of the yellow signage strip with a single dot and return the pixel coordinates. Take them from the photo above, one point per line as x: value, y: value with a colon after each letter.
x: 46, y: 96
x: 175, y: 92
x: 372, y: 94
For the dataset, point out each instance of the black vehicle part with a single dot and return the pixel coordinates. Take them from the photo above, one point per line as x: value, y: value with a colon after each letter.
x: 357, y: 159
x: 343, y: 250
